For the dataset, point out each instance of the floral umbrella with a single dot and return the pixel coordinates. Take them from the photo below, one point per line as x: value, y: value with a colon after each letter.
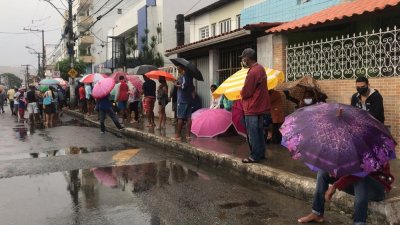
x: 339, y: 139
x: 92, y: 78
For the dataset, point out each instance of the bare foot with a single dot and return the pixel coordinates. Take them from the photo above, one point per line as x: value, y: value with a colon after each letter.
x: 311, y: 218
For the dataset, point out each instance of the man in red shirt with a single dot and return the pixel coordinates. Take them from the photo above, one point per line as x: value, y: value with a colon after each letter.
x: 122, y: 97
x: 82, y: 98
x: 256, y: 105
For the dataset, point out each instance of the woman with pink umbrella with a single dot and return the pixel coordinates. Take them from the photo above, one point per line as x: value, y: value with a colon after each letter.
x: 101, y: 92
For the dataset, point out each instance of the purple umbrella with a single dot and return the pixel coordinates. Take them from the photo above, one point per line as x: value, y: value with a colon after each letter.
x: 339, y: 139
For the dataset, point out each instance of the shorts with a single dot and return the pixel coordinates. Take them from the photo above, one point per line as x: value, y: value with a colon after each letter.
x: 148, y: 104
x: 122, y: 105
x: 33, y: 108
x: 184, y: 111
x: 21, y: 113
x: 50, y: 109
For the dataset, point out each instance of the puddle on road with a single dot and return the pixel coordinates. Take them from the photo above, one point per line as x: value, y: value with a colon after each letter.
x: 89, y: 196
x: 66, y: 151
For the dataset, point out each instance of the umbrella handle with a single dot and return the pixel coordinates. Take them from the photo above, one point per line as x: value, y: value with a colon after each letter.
x: 339, y: 112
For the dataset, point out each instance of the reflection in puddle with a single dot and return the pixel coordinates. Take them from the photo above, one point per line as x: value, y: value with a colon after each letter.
x: 106, y: 195
x: 140, y: 178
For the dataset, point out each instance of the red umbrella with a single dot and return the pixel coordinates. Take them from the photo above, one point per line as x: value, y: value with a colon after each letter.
x: 117, y: 74
x: 136, y: 81
x: 238, y: 118
x: 92, y: 78
x: 155, y: 74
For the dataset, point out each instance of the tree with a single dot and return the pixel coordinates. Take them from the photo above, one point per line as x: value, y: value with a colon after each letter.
x: 12, y: 80
x: 64, y: 66
x: 148, y: 55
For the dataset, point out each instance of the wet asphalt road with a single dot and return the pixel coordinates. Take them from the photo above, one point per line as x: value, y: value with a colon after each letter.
x: 71, y: 174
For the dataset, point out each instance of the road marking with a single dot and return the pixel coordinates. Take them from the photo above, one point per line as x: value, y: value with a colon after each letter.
x: 123, y: 156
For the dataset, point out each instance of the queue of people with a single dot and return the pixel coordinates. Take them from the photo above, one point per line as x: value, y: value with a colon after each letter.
x: 43, y: 106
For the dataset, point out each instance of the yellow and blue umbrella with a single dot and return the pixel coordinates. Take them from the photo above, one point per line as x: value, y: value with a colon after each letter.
x: 232, y: 86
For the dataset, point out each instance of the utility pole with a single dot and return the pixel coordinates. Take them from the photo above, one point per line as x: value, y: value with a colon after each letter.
x: 26, y: 75
x: 71, y: 52
x: 43, y: 51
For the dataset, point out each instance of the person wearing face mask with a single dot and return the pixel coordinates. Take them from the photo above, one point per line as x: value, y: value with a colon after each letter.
x: 309, y: 99
x: 256, y: 104
x: 368, y: 99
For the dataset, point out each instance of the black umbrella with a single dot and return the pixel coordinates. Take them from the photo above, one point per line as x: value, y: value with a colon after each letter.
x: 193, y: 71
x: 143, y: 69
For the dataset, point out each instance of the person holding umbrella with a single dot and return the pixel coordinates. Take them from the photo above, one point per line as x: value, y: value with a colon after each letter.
x: 149, y: 92
x: 256, y: 104
x: 185, y: 100
x: 162, y: 98
x: 101, y: 92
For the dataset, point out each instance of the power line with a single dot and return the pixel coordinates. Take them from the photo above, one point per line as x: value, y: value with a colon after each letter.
x: 55, y: 9
x: 193, y: 6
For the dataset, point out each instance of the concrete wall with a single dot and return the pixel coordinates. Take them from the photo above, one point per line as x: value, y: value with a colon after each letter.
x: 229, y: 11
x: 265, y: 51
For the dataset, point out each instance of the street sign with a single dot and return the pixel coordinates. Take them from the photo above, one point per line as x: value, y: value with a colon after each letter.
x: 72, y: 73
x: 56, y: 74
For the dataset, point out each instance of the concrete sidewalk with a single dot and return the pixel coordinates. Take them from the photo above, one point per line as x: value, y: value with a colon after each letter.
x: 279, y: 171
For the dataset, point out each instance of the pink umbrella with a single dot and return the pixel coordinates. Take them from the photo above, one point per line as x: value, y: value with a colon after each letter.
x: 136, y: 81
x: 117, y: 74
x: 105, y: 177
x: 238, y: 118
x: 211, y: 123
x: 198, y: 113
x: 61, y: 81
x: 102, y: 88
x: 92, y: 78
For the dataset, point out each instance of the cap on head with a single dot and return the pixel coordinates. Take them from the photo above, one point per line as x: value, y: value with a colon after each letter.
x: 250, y: 53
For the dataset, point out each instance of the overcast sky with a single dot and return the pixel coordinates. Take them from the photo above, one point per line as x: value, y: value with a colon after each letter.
x: 35, y: 14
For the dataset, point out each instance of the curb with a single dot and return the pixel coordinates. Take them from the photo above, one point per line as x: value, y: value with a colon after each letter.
x: 384, y: 212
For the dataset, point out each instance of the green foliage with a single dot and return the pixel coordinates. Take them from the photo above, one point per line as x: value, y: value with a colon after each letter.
x: 64, y: 66
x: 148, y: 54
x: 13, y: 80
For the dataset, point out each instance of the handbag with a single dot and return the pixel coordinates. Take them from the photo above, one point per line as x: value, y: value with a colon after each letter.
x: 47, y: 100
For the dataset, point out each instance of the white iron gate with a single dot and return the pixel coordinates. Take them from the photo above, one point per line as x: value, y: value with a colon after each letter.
x: 373, y: 54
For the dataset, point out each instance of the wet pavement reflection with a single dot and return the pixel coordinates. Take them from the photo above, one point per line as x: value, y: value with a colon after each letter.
x: 68, y: 197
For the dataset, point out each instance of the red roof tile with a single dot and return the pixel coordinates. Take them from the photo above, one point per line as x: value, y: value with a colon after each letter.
x: 334, y: 13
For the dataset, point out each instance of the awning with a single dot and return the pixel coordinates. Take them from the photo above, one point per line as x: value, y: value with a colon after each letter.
x: 208, y: 41
x: 336, y: 13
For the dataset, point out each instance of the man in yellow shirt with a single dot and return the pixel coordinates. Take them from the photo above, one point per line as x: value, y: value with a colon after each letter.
x: 10, y: 97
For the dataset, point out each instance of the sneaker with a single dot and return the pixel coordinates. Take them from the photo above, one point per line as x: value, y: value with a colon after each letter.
x: 102, y: 132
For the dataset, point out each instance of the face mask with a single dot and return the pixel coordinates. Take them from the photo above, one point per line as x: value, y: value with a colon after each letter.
x: 308, y: 101
x: 362, y: 90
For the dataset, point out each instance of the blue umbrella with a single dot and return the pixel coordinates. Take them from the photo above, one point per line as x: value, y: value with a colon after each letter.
x: 49, y: 82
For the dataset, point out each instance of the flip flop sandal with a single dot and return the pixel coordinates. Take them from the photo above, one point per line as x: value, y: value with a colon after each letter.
x: 249, y: 160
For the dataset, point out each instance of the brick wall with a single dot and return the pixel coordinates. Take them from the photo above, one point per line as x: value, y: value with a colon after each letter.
x: 341, y: 91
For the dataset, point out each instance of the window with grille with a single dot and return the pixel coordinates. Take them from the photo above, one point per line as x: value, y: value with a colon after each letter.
x: 237, y: 21
x: 213, y: 29
x: 225, y: 26
x: 204, y: 32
